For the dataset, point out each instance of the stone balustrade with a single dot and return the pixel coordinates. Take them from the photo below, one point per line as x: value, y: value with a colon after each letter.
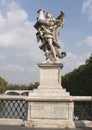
x: 14, y: 109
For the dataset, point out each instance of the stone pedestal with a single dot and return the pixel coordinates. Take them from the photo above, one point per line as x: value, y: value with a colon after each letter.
x: 50, y: 76
x: 50, y: 105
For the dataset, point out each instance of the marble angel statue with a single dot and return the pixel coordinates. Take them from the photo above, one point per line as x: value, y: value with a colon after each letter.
x: 48, y: 29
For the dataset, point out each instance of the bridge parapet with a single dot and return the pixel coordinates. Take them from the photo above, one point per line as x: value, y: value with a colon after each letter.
x: 17, y: 107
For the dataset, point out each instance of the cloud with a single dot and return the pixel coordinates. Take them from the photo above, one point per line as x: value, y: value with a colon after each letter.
x: 3, y: 2
x: 15, y: 29
x: 2, y: 19
x: 18, y: 44
x: 2, y: 57
x: 16, y: 15
x: 13, y: 68
x: 86, y: 42
x: 87, y: 8
x: 73, y: 61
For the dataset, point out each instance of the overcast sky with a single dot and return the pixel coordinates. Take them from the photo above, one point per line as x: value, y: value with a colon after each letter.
x: 19, y: 50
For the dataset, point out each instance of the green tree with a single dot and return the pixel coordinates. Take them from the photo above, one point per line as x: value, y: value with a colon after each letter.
x: 3, y: 85
x: 23, y: 86
x: 33, y: 86
x: 79, y: 81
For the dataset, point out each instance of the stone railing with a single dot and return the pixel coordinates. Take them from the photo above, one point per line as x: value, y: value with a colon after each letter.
x: 83, y: 107
x: 15, y: 108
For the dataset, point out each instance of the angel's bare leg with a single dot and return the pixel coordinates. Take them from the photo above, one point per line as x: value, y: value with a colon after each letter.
x: 52, y: 48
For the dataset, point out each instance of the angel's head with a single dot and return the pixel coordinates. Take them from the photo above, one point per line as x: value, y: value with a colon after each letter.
x: 48, y: 15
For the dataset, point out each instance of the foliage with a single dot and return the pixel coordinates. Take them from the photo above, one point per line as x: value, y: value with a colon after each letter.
x: 23, y: 86
x: 79, y: 81
x: 3, y: 85
x: 33, y: 86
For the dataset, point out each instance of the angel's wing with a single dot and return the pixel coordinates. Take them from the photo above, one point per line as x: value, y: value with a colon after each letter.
x: 60, y: 22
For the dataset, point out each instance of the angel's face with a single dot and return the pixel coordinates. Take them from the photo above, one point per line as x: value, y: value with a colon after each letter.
x: 48, y: 15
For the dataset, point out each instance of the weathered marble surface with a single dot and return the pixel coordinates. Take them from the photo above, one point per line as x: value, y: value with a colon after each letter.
x: 48, y: 29
x: 50, y: 105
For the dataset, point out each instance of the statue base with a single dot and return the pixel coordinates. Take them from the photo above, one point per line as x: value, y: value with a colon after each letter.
x: 50, y: 105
